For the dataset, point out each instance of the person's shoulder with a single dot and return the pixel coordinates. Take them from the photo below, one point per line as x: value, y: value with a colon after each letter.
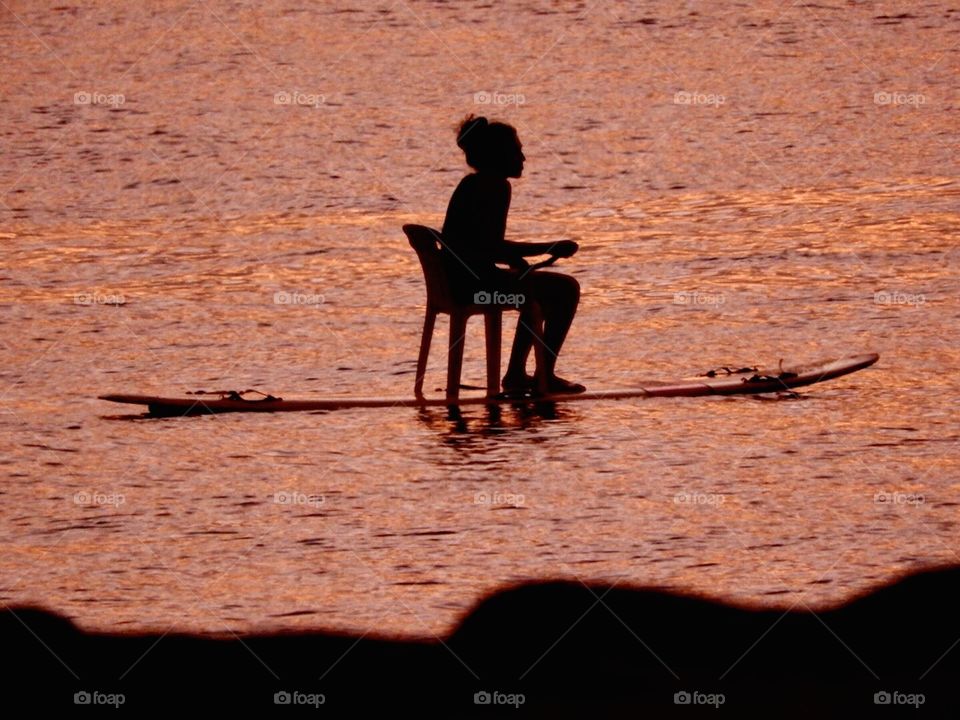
x: 466, y: 186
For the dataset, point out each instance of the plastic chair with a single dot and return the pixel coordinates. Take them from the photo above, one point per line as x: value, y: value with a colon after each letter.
x: 427, y: 244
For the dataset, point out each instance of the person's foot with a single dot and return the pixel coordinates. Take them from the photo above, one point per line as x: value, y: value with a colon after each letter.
x: 518, y: 383
x: 557, y: 385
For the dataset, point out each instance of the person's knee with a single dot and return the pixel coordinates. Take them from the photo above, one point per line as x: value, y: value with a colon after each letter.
x: 555, y: 289
x: 567, y: 288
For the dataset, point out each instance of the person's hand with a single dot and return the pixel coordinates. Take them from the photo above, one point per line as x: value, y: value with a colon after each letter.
x: 519, y: 263
x: 564, y: 249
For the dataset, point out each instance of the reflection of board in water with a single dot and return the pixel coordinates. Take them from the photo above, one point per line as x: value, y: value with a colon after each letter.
x: 736, y: 383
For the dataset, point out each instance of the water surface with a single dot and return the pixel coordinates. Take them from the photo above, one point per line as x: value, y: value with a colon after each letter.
x: 809, y: 213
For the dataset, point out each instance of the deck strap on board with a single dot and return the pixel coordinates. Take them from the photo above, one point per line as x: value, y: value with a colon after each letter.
x: 236, y: 395
x: 724, y: 370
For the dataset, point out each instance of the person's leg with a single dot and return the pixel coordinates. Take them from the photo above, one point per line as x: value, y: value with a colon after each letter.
x: 557, y: 296
x: 522, y: 344
x: 523, y: 339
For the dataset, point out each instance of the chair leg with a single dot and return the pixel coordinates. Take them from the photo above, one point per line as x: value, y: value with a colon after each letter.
x: 494, y: 330
x: 425, y: 339
x: 458, y: 331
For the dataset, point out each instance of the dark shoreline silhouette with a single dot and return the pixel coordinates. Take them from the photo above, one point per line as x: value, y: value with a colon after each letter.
x: 570, y: 650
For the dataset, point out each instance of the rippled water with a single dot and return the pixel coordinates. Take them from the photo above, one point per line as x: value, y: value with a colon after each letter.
x: 797, y: 199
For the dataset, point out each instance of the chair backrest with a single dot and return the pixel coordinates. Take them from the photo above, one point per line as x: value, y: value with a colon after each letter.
x: 426, y: 242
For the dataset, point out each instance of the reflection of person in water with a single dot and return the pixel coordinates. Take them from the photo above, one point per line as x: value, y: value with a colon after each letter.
x: 473, y: 240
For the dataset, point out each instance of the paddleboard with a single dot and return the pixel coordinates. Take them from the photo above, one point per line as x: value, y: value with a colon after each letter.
x: 741, y: 381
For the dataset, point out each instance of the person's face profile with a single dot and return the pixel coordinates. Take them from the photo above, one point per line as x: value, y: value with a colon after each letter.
x: 515, y: 158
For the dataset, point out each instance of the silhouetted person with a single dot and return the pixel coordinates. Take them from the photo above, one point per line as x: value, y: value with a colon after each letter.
x: 473, y: 240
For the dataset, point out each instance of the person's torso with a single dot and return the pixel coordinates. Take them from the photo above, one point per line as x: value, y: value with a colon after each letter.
x: 474, y: 227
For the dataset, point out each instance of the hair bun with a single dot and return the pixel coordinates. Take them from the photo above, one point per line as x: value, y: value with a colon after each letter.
x: 470, y: 132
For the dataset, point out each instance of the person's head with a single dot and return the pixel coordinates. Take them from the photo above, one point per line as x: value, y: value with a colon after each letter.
x: 491, y: 147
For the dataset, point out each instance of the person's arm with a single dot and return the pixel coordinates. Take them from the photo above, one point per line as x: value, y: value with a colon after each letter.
x: 513, y: 252
x: 561, y: 248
